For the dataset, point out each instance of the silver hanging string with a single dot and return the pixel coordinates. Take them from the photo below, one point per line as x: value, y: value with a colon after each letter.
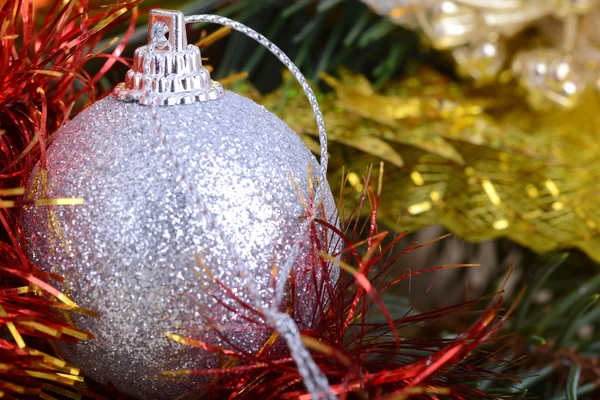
x: 153, y: 100
x: 313, y: 378
x: 304, y: 228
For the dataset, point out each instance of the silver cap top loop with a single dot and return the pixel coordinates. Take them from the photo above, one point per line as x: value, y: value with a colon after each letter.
x: 167, y: 71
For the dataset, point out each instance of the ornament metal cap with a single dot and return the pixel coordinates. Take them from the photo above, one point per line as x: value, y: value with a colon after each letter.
x: 167, y: 71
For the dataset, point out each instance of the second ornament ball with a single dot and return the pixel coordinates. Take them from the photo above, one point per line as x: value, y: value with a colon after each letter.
x: 206, y: 181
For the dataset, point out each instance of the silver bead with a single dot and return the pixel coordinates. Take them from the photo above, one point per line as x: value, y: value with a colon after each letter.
x: 550, y: 78
x: 481, y: 61
x: 448, y: 24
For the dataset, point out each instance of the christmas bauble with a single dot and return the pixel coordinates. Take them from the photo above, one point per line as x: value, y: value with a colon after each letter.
x: 144, y: 255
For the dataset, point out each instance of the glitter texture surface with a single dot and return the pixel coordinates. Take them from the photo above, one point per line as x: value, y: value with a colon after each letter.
x: 132, y: 251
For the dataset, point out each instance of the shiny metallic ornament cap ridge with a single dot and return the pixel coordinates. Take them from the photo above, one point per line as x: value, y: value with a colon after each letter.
x: 168, y: 71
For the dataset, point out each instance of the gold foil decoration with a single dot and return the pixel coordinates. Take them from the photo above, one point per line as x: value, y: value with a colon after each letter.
x: 476, y: 161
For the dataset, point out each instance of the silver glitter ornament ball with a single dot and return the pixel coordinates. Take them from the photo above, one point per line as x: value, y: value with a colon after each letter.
x: 138, y: 249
